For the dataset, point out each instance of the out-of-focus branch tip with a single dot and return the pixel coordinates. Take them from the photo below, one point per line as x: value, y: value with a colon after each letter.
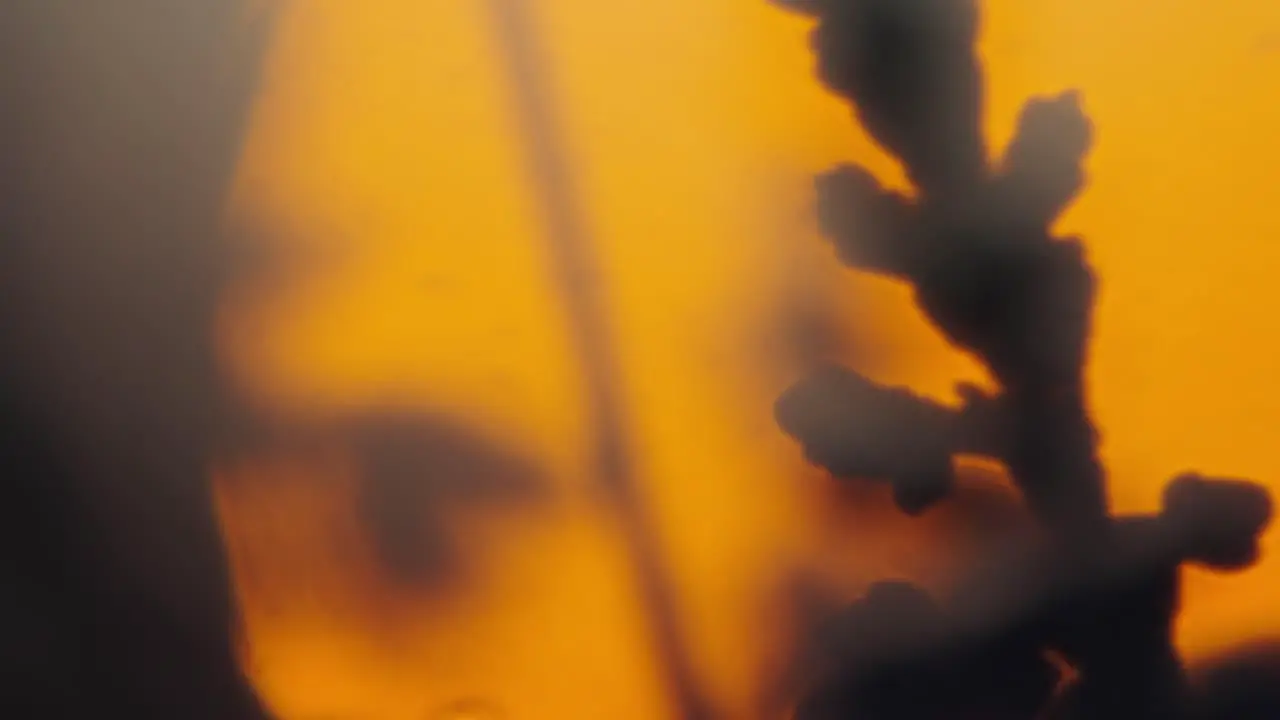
x: 1218, y: 521
x: 856, y: 429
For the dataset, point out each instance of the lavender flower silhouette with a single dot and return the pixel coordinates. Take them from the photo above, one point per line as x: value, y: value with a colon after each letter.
x: 1074, y: 621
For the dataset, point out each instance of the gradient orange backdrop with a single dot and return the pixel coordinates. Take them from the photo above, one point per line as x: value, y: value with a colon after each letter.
x: 385, y: 152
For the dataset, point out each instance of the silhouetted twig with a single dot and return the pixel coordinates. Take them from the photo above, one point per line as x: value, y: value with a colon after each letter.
x: 975, y: 243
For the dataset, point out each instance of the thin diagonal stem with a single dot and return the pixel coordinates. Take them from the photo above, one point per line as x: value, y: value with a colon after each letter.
x: 570, y: 246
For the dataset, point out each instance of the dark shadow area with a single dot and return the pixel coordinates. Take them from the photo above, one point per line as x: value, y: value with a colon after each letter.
x: 1070, y: 614
x: 1242, y: 686
x: 1035, y: 627
x: 424, y: 485
x: 120, y: 126
x: 377, y: 516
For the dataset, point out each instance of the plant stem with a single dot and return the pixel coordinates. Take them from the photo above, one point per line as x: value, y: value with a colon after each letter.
x: 570, y: 244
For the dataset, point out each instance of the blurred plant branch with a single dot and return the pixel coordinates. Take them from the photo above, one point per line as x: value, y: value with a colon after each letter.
x: 975, y: 243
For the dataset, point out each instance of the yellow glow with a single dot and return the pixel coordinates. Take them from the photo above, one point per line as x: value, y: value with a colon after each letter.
x: 385, y: 150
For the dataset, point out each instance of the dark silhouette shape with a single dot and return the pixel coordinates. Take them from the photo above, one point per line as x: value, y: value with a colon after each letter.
x: 1096, y: 592
x: 1219, y: 520
x: 857, y: 429
x: 911, y: 70
x: 120, y: 131
x: 897, y: 654
x: 871, y: 227
x: 898, y: 436
x: 1042, y: 172
x: 1245, y: 685
x: 1106, y: 610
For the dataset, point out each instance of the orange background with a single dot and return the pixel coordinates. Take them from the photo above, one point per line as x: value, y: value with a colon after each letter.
x: 384, y: 151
